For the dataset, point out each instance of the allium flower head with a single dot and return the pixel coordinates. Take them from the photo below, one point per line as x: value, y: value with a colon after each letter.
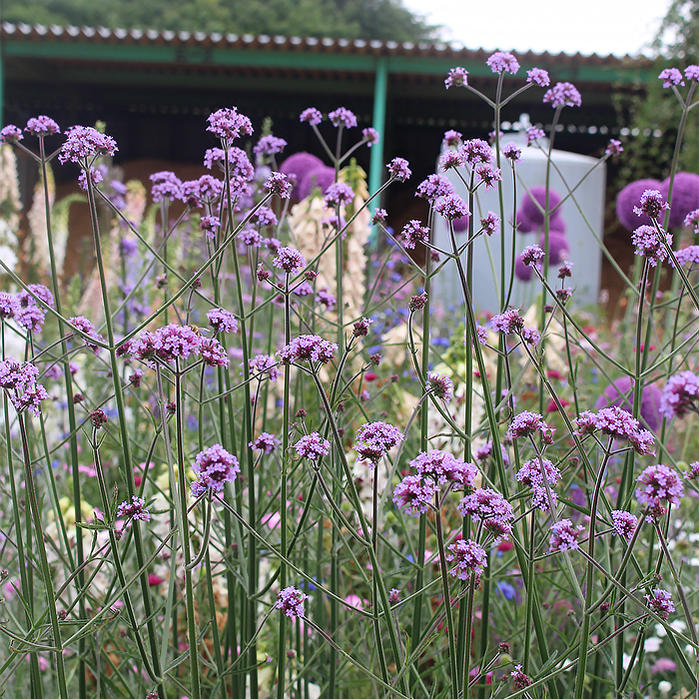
x: 312, y: 446
x: 468, y: 557
x: 442, y: 386
x: 458, y: 77
x: 42, y: 126
x: 414, y: 495
x: 563, y: 95
x: 265, y: 442
x: 228, y: 124
x: 564, y: 536
x: 670, y: 77
x: 451, y: 207
x: 84, y: 325
x: 290, y: 260
x: 343, y: 117
x: 312, y: 348
x: 539, y: 77
x: 442, y: 467
x: 413, y: 233
x: 660, y: 601
x: 83, y: 142
x: 214, y: 467
x: 10, y: 134
x: 509, y: 322
x: 659, y: 484
x: 399, y: 169
x: 680, y: 395
x: 503, y: 62
x: 134, y: 509
x: 290, y: 602
x: 376, y: 439
x: 490, y: 507
x: 624, y: 523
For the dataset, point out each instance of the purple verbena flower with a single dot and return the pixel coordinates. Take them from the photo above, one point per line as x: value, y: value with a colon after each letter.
x: 457, y: 77
x: 166, y: 186
x: 539, y: 77
x: 264, y: 365
x: 10, y: 134
x: 228, y: 124
x: 670, y: 77
x: 624, y: 523
x: 41, y: 126
x: 343, y: 117
x: 660, y: 601
x: 468, y: 558
x: 312, y: 446
x: 441, y: 467
x: 651, y: 204
x: 413, y: 233
x: 451, y: 207
x: 488, y: 174
x: 414, y: 495
x: 527, y: 424
x: 338, y: 193
x: 532, y: 474
x: 214, y: 467
x: 659, y: 484
x: 564, y: 536
x: 490, y: 507
x: 688, y: 255
x: 83, y: 142
x: 512, y: 152
x: 509, y: 322
x: 290, y: 602
x: 265, y: 442
x: 475, y: 151
x: 503, y: 62
x: 371, y: 136
x: 269, y: 145
x: 434, y: 187
x: 563, y: 95
x: 680, y: 395
x: 210, y: 225
x: 290, y: 260
x: 19, y: 380
x: 534, y: 133
x: 134, y: 509
x: 312, y: 348
x: 399, y: 169
x: 84, y: 325
x: 376, y: 439
x: 614, y: 147
x: 442, y: 386
x: 279, y: 184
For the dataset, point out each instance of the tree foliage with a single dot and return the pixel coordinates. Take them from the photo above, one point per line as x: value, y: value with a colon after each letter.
x: 367, y: 19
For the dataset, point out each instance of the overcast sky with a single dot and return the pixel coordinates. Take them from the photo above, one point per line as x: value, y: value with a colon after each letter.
x: 588, y: 26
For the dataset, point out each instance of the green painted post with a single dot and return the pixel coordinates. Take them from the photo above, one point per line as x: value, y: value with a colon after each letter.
x: 379, y: 123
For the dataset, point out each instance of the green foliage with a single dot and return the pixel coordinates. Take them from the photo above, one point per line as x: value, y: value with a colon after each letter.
x: 367, y: 19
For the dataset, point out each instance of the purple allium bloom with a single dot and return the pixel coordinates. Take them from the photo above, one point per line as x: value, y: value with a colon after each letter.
x: 414, y: 495
x: 564, y: 536
x: 83, y: 324
x: 42, y: 126
x: 441, y: 467
x: 311, y: 116
x: 620, y: 393
x: 519, y: 679
x: 361, y: 327
x: 648, y: 243
x: 468, y: 557
x: 558, y: 246
x: 290, y: 260
x: 565, y: 270
x: 651, y: 203
x: 376, y: 439
x: 213, y: 352
x: 458, y: 77
x: 265, y: 442
x: 488, y: 174
x: 379, y: 217
x: 210, y: 225
x: 680, y: 395
x: 659, y: 484
x: 327, y: 299
x: 371, y: 136
x: 533, y: 204
x: 628, y: 198
x: 9, y: 305
x: 509, y: 322
x: 522, y: 271
x: 343, y: 117
x: 269, y: 145
x: 10, y: 134
x: 512, y: 152
x: 527, y: 424
x: 691, y: 220
x: 228, y: 124
x: 532, y: 255
x: 214, y: 467
x: 490, y: 223
x: 452, y: 207
x: 692, y: 73
x: 297, y: 165
x: 134, y: 509
x: 531, y: 335
x: 262, y: 364
x: 475, y: 151
x: 490, y: 507
x: 19, y: 379
x: 312, y: 446
x: 688, y: 255
x: 312, y: 348
x: 399, y: 169
x: 452, y: 138
x: 660, y: 601
x: 84, y: 142
x: 685, y: 196
x: 290, y: 602
x: 563, y: 95
x: 503, y: 62
x: 441, y: 386
x: 434, y: 187
x: 338, y: 193
x: 417, y: 302
x: 451, y: 159
x: 320, y: 177
x: 670, y: 77
x: 539, y: 77
x: 278, y: 183
x: 166, y: 186
x: 533, y: 134
x: 614, y: 147
x: 532, y: 474
x: 624, y: 523
x: 413, y: 233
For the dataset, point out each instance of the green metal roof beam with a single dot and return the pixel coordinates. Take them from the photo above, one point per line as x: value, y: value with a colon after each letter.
x: 218, y: 56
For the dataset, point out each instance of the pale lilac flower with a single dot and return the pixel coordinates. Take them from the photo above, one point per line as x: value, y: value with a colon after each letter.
x: 691, y: 220
x: 166, y: 186
x: 414, y: 495
x: 338, y: 193
x: 95, y: 175
x: 452, y: 138
x: 511, y: 152
x: 617, y: 423
x: 692, y: 473
x: 228, y: 124
x: 327, y: 299
x: 84, y: 325
x: 539, y: 77
x: 290, y: 602
x: 509, y: 322
x: 269, y: 145
x: 532, y: 474
x: 488, y: 174
x: 380, y: 217
x: 475, y: 151
x: 9, y: 305
x: 468, y: 557
x: 376, y: 439
x: 279, y: 184
x: 399, y: 169
x: 614, y: 147
x: 564, y: 536
x: 484, y: 452
x: 490, y: 223
x: 533, y: 134
x: 659, y: 484
x: 451, y: 159
x: 265, y: 442
x: 19, y: 379
x: 262, y: 365
x: 83, y: 142
x: 311, y: 116
x: 458, y: 77
x: 210, y: 225
x: 680, y: 395
x: 531, y: 335
x: 312, y: 348
x: 692, y: 73
x: 213, y: 352
x: 222, y: 321
x: 10, y: 134
x: 532, y: 255
x: 371, y: 136
x: 688, y: 255
x: 413, y: 233
x: 451, y: 207
x: 170, y: 343
x: 670, y: 77
x: 343, y: 117
x: 134, y: 509
x: 490, y: 507
x: 528, y: 424
x: 563, y: 94
x: 213, y: 468
x: 440, y: 385
x: 652, y: 204
x: 239, y: 166
x: 312, y: 446
x: 441, y: 467
x: 42, y: 126
x: 503, y: 62
x: 290, y: 260
x: 660, y: 601
x: 624, y: 523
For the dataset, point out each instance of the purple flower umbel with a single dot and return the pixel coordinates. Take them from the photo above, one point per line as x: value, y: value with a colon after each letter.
x: 214, y: 467
x: 290, y: 601
x: 375, y: 439
x: 468, y: 557
x: 680, y: 395
x: 312, y: 446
